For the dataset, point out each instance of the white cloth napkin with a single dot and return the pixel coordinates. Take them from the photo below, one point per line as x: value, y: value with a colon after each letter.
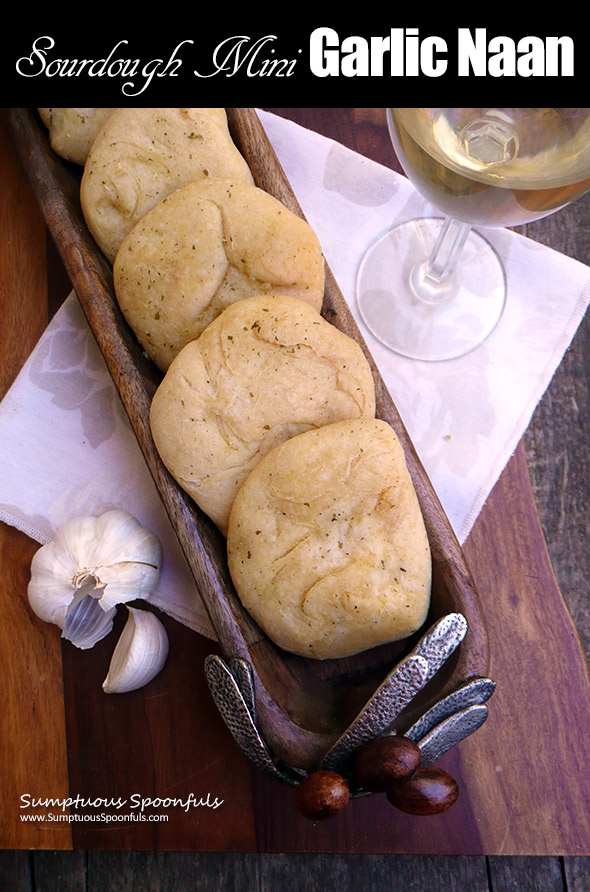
x: 66, y: 446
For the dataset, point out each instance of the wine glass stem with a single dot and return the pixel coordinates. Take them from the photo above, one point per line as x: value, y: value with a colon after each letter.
x: 432, y: 281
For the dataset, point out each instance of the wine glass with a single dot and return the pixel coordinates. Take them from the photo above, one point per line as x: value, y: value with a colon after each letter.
x: 434, y: 288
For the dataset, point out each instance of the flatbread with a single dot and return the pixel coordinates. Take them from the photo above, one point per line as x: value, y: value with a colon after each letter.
x: 266, y: 369
x: 73, y: 130
x: 143, y: 154
x: 326, y: 542
x: 206, y: 246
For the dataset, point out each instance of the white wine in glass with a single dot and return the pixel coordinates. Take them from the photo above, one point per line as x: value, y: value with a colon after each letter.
x: 434, y: 288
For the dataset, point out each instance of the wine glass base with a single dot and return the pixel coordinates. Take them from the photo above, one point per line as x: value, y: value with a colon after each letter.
x: 429, y: 329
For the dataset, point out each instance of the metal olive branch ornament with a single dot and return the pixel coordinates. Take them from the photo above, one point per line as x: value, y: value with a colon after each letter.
x: 369, y: 756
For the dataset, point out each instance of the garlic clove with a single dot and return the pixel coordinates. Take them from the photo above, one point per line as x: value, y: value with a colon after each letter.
x: 86, y: 622
x: 108, y: 558
x: 119, y: 538
x: 126, y: 581
x: 139, y: 654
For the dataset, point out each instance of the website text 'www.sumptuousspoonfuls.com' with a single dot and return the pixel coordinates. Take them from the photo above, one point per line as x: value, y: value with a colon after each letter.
x: 114, y: 810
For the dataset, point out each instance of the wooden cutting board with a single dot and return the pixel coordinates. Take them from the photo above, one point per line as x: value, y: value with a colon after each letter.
x: 524, y: 784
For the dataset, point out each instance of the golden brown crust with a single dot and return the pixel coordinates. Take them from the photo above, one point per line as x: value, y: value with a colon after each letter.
x: 73, y: 130
x: 326, y: 542
x: 143, y: 154
x: 266, y: 369
x: 204, y: 247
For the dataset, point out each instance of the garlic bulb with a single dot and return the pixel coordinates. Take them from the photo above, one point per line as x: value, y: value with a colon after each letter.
x: 91, y: 565
x: 139, y: 655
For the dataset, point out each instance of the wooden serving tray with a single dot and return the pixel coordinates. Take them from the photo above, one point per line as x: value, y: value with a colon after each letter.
x: 302, y: 705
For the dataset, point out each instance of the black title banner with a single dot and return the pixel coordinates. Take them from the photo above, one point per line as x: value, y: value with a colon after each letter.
x: 323, y: 58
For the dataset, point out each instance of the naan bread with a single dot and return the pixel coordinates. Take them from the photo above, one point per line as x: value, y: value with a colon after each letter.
x: 73, y: 130
x: 143, y: 154
x: 266, y: 369
x: 204, y: 247
x: 326, y: 542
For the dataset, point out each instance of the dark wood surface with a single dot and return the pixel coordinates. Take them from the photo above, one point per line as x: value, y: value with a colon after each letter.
x: 557, y: 449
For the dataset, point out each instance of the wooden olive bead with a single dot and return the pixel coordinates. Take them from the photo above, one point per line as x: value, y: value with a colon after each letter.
x: 321, y: 794
x: 385, y: 762
x: 429, y: 792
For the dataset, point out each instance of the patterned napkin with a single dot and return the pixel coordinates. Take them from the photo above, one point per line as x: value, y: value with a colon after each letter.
x: 66, y: 446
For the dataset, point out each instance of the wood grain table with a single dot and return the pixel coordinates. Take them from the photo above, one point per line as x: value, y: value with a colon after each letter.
x: 524, y: 776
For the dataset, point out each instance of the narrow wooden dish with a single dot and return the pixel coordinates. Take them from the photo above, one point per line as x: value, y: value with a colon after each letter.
x: 302, y: 705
